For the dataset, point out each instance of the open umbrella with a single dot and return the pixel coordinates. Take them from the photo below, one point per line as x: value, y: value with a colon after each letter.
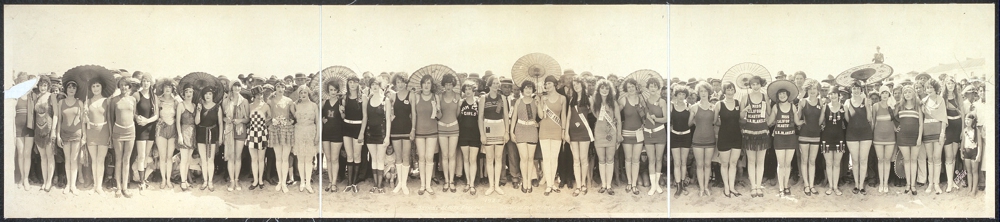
x: 87, y: 75
x: 20, y: 89
x: 534, y: 67
x: 436, y: 71
x: 337, y: 73
x: 741, y: 73
x: 198, y: 81
x: 643, y: 76
x: 867, y: 73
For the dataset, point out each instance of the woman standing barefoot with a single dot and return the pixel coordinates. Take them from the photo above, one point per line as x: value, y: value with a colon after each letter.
x: 45, y: 129
x: 704, y: 136
x: 98, y: 133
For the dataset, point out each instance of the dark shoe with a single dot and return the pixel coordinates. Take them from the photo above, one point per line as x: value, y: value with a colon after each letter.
x: 737, y: 194
x: 863, y: 192
x: 855, y: 190
x: 252, y: 187
x: 611, y: 192
x: 806, y: 191
x: 557, y: 190
x: 420, y: 191
x: 601, y: 190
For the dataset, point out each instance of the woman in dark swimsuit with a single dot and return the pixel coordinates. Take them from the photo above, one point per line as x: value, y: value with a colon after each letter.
x: 376, y: 124
x: 207, y: 119
x: 333, y: 138
x: 145, y: 122
x: 859, y: 134
x: 756, y: 141
x: 810, y: 108
x: 353, y: 114
x: 783, y: 118
x: 729, y: 143
x: 680, y: 136
x: 955, y: 108
x: 580, y: 134
x: 401, y: 132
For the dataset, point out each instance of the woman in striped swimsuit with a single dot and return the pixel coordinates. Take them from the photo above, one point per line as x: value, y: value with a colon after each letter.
x: 755, y: 138
x: 908, y: 134
x: 448, y: 129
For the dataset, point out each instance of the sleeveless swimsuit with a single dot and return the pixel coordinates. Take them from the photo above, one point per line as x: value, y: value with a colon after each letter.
x: 257, y: 131
x: 859, y: 128
x: 832, y: 137
x: 144, y: 108
x: 21, y: 128
x: 165, y: 129
x: 333, y: 122
x: 810, y: 132
x: 71, y: 124
x: 402, y: 122
x: 550, y: 128
x: 885, y: 126
x: 704, y: 130
x: 493, y: 116
x: 526, y: 128
x: 99, y: 134
x: 680, y: 130
x: 755, y: 136
x: 426, y: 127
x: 631, y: 124
x: 375, y: 127
x: 468, y: 124
x: 187, y: 130
x: 579, y: 128
x: 909, y: 127
x: 207, y: 131
x: 784, y: 130
x: 653, y: 132
x: 729, y: 127
x: 605, y: 132
x: 448, y: 123
x: 954, y: 129
x: 124, y: 131
x: 305, y: 132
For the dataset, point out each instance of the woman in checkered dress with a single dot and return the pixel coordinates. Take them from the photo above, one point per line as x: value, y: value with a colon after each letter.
x: 257, y: 133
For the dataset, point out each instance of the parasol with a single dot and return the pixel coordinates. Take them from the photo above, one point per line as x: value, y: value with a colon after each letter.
x: 337, y: 73
x: 436, y: 71
x: 642, y: 76
x: 87, y: 75
x: 741, y: 73
x: 772, y: 89
x: 534, y: 67
x: 867, y: 73
x: 198, y: 81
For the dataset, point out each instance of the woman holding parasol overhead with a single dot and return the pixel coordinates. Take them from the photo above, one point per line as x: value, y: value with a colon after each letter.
x: 166, y: 129
x: 123, y: 114
x: 145, y: 121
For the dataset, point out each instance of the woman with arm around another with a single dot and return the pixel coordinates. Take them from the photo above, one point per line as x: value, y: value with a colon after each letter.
x: 885, y: 135
x: 656, y: 138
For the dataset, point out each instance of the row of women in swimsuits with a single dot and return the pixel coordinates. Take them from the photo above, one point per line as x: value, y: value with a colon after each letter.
x: 842, y: 119
x: 49, y: 120
x: 139, y: 116
x: 466, y: 122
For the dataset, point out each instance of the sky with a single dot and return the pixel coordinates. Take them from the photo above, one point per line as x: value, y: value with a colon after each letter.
x: 473, y: 39
x: 283, y: 40
x: 819, y: 40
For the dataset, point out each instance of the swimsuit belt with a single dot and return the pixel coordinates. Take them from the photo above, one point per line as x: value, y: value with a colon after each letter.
x: 352, y: 121
x: 685, y: 132
x: 442, y: 124
x: 526, y: 122
x: 653, y: 130
x: 492, y: 121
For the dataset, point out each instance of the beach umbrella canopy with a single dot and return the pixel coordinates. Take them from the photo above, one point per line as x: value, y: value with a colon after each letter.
x: 643, y: 76
x: 436, y: 71
x: 198, y: 81
x: 867, y: 73
x: 337, y: 73
x: 534, y: 67
x: 741, y: 73
x: 87, y: 75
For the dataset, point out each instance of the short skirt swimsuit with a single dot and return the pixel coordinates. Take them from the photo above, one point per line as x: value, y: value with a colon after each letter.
x: 909, y: 127
x: 953, y: 131
x: 257, y: 132
x: 605, y: 133
x: 579, y: 128
x: 729, y: 127
x: 631, y: 124
x: 144, y: 107
x: 71, y: 124
x: 493, y: 115
x: 810, y: 132
x: 784, y: 130
x: 352, y: 118
x: 680, y: 130
x: 654, y: 132
x: 526, y: 128
x: 468, y: 123
x: 755, y: 136
x: 859, y: 128
x: 704, y: 127
x: 402, y: 122
x: 885, y: 126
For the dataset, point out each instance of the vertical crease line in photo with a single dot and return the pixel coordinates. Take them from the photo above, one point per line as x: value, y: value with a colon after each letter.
x: 669, y: 172
x: 319, y: 127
